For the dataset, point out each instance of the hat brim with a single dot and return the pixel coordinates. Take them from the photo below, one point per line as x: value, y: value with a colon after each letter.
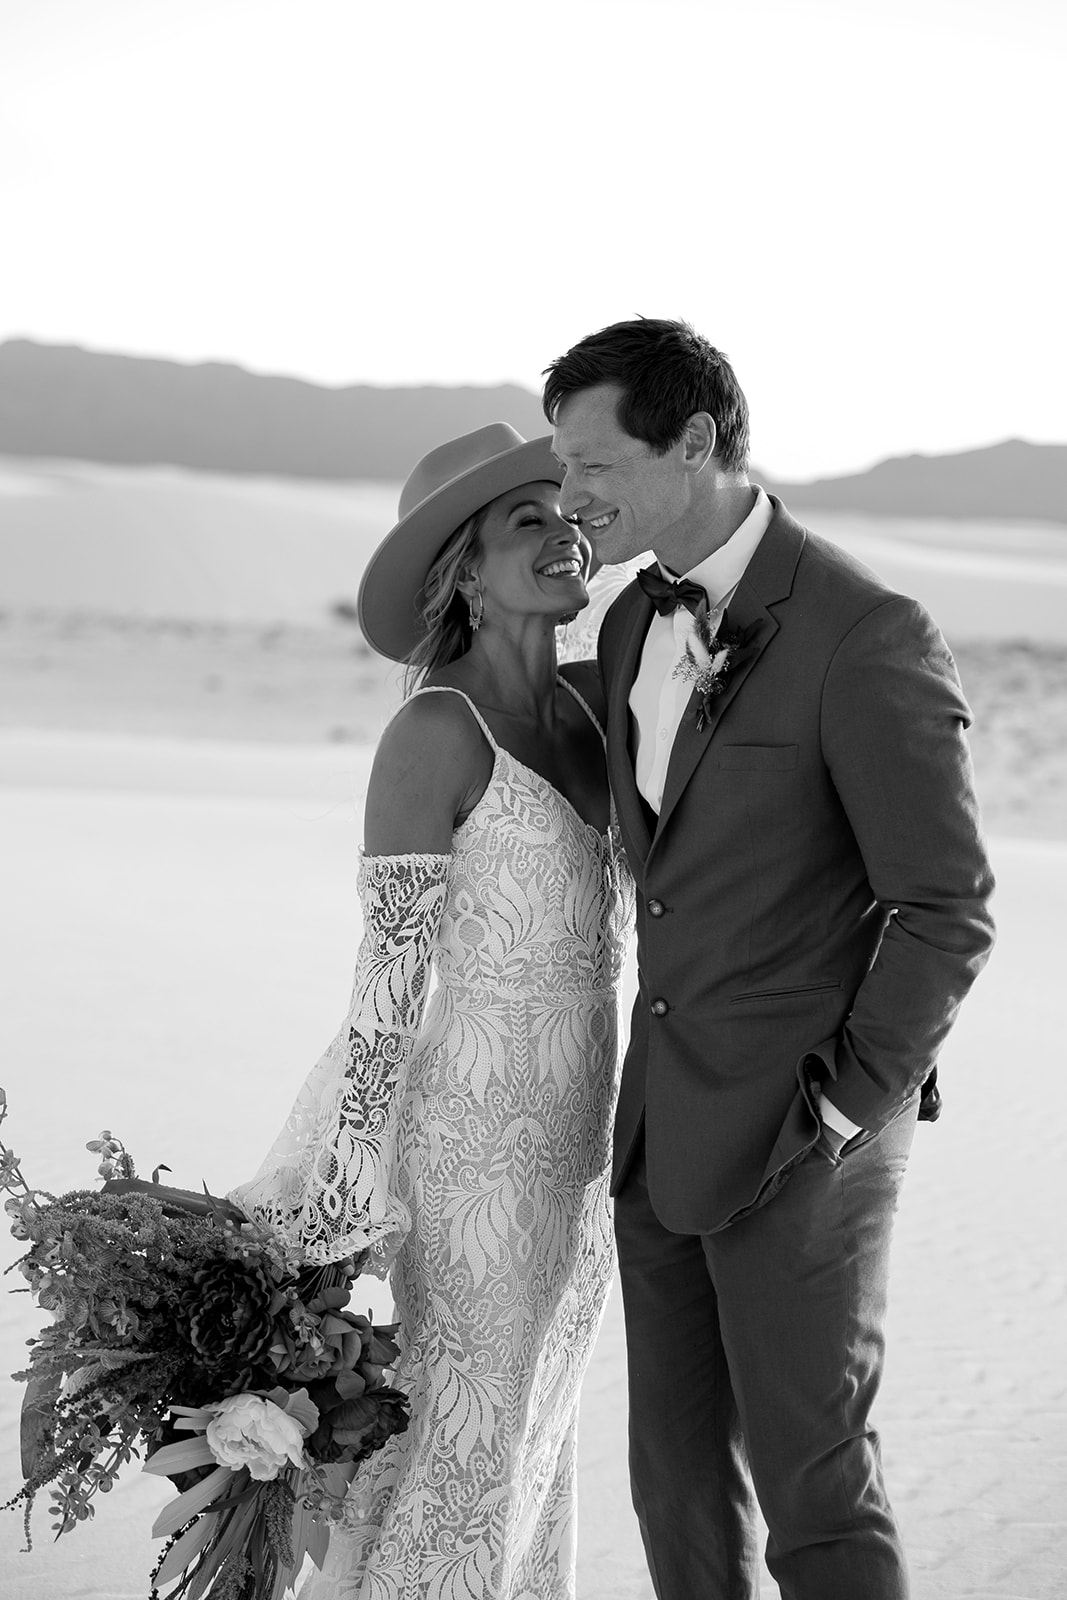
x: 388, y: 593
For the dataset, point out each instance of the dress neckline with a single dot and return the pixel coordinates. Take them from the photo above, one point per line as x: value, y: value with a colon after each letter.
x: 499, y: 752
x: 531, y: 772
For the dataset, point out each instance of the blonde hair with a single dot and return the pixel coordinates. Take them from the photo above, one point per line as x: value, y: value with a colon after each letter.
x: 444, y: 612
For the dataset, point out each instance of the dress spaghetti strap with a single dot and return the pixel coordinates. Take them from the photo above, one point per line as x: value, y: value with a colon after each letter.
x: 444, y: 688
x: 583, y: 703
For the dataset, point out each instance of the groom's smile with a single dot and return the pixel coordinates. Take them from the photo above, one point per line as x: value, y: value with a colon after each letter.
x: 623, y: 493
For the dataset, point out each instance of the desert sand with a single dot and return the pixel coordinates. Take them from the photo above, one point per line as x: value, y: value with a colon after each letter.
x: 180, y: 800
x: 175, y: 962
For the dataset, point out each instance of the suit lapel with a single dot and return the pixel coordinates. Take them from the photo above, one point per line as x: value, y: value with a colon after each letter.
x: 768, y: 580
x: 628, y: 802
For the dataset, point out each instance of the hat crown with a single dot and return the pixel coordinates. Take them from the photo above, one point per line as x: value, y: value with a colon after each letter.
x: 448, y: 486
x: 453, y: 459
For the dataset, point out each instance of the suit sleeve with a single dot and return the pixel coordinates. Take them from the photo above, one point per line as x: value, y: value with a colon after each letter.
x: 893, y: 729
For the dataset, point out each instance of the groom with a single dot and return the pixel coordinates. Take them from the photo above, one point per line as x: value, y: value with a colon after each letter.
x: 787, y: 754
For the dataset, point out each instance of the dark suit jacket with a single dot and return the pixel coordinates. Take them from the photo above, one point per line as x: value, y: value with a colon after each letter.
x: 813, y: 901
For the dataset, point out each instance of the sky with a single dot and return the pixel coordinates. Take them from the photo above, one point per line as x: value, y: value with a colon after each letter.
x: 860, y: 202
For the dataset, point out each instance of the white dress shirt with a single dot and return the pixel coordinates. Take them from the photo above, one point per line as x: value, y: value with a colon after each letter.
x: 658, y: 698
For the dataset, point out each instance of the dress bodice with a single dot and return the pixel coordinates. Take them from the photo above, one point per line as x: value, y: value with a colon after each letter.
x: 539, y: 901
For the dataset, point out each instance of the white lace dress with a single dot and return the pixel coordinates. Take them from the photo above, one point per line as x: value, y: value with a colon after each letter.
x: 472, y: 1152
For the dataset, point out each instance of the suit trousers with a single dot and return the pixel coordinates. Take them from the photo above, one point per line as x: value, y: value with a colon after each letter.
x: 754, y: 1355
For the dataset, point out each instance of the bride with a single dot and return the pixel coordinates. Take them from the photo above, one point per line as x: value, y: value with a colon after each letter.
x: 467, y: 1148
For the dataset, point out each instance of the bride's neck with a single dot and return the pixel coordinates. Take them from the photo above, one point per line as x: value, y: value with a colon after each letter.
x: 514, y: 673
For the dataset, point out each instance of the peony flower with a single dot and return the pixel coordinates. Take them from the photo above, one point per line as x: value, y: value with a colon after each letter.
x: 320, y: 1339
x: 352, y: 1431
x: 229, y: 1309
x: 247, y: 1431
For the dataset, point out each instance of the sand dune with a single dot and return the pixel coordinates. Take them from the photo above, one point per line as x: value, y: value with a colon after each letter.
x: 161, y: 542
x: 112, y: 701
x: 165, y: 543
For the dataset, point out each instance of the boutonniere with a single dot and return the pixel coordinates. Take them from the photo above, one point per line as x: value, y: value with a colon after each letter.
x: 711, y: 653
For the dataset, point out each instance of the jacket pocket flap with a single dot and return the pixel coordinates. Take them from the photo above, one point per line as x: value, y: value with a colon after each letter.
x: 789, y: 992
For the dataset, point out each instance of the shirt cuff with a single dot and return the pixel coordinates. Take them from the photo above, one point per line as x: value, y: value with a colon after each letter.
x: 836, y: 1119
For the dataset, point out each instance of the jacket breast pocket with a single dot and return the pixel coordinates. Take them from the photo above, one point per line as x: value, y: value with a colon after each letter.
x: 757, y: 757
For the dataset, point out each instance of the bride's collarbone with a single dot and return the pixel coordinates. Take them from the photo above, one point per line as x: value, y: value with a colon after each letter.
x: 568, y: 753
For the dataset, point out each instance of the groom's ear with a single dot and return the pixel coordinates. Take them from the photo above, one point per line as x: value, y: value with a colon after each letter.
x: 699, y: 441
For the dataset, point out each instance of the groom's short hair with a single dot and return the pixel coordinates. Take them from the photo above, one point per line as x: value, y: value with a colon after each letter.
x: 667, y: 371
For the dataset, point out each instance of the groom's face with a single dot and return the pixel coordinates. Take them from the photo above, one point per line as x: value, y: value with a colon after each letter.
x: 626, y: 497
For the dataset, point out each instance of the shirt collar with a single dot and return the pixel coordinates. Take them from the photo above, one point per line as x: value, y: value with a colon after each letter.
x: 721, y: 572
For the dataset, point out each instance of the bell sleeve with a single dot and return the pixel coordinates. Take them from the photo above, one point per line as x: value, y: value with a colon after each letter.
x: 328, y: 1185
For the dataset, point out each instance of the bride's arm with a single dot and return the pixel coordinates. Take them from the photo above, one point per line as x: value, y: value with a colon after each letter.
x: 328, y: 1184
x: 431, y: 767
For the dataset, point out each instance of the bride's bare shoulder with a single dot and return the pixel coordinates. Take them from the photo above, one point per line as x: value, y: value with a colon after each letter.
x: 431, y: 765
x: 433, y: 726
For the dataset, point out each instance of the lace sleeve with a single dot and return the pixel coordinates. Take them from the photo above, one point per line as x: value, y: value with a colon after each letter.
x: 327, y: 1184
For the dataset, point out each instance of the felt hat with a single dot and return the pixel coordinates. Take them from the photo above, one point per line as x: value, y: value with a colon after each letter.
x: 443, y: 490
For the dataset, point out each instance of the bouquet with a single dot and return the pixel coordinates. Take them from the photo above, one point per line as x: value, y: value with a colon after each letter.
x: 184, y: 1328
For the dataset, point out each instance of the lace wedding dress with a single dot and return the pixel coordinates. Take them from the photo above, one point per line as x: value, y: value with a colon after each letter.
x: 471, y: 1152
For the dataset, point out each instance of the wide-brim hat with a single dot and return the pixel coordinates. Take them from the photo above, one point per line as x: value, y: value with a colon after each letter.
x: 443, y: 490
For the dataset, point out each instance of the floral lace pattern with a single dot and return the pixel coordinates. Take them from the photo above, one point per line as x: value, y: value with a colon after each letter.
x: 328, y: 1183
x: 500, y: 1121
x: 578, y: 640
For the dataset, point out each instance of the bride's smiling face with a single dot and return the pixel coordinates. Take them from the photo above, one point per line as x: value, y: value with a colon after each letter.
x: 533, y: 561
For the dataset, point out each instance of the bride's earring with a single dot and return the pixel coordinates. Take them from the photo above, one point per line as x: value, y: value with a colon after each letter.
x: 477, y: 610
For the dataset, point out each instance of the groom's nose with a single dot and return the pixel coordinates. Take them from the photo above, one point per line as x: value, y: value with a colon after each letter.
x: 572, y: 497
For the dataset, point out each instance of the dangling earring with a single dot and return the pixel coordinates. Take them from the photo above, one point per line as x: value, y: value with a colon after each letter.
x: 476, y: 615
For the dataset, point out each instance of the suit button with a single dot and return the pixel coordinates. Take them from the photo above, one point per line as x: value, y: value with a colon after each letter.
x: 660, y: 1008
x: 656, y: 908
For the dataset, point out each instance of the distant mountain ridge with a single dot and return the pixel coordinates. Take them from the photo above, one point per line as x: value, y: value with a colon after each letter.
x: 61, y: 400
x: 1006, y: 481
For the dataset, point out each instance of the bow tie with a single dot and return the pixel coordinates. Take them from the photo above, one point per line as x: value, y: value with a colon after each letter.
x: 667, y: 596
